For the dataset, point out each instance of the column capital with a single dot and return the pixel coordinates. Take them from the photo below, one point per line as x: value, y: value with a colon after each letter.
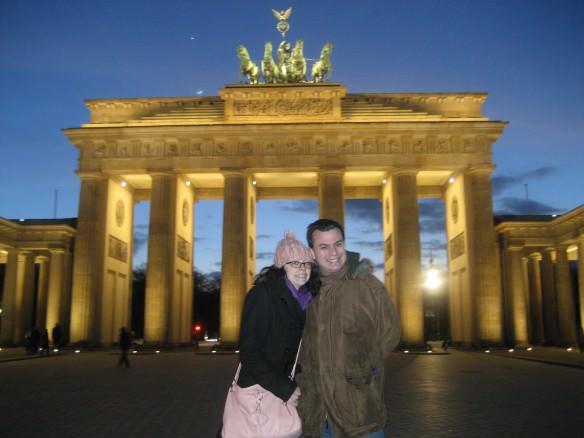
x: 480, y: 169
x: 89, y: 176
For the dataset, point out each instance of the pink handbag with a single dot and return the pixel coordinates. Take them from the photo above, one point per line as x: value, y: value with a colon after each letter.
x: 256, y: 412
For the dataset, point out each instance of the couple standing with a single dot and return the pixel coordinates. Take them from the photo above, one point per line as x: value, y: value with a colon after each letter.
x: 347, y: 331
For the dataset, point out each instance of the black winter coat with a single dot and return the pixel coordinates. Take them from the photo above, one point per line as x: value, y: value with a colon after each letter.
x: 271, y: 328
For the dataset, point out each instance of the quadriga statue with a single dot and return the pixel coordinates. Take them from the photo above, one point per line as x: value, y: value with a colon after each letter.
x: 247, y: 68
x: 323, y: 65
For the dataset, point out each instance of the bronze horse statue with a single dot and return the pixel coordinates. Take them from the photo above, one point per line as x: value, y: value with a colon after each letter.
x: 323, y: 65
x: 247, y: 68
x: 270, y: 69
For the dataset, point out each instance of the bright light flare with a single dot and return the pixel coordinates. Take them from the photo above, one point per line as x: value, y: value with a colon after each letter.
x: 433, y: 280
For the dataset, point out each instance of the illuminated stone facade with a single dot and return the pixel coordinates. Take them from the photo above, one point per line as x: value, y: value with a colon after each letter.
x: 543, y: 267
x: 303, y: 141
x: 37, y: 258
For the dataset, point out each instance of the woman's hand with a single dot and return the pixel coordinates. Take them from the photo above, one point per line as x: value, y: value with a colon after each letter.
x: 293, y: 400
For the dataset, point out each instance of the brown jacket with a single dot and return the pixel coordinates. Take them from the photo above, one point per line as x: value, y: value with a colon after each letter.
x: 351, y: 327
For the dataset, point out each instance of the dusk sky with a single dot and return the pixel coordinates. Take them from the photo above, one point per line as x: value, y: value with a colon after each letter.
x: 528, y: 55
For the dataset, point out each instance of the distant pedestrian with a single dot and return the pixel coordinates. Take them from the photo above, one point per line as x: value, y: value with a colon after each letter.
x: 57, y: 334
x: 125, y: 344
x: 44, y: 343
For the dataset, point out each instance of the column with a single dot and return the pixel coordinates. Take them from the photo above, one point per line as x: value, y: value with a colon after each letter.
x: 581, y: 278
x: 566, y: 305
x: 536, y: 298
x: 331, y: 197
x: 58, y: 297
x: 515, y: 294
x: 88, y: 260
x: 407, y: 263
x: 27, y: 293
x: 484, y: 272
x: 10, y: 310
x: 160, y: 271
x: 550, y: 305
x: 237, y: 250
x: 43, y: 280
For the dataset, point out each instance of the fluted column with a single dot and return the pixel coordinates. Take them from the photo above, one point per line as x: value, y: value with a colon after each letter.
x: 237, y: 252
x: 58, y: 298
x: 27, y: 292
x: 581, y: 278
x: 516, y: 299
x: 550, y: 305
x: 566, y: 305
x: 88, y: 260
x: 536, y: 298
x: 9, y: 335
x: 42, y: 290
x: 331, y: 197
x: 160, y: 273
x: 484, y: 269
x: 408, y: 269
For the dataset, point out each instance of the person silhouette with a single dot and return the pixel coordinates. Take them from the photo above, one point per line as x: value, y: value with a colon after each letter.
x: 125, y: 344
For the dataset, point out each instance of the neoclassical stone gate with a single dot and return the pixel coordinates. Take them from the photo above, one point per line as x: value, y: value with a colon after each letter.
x: 280, y: 141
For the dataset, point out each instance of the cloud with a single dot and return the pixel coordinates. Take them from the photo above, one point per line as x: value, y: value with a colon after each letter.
x: 140, y: 241
x: 503, y: 182
x: 371, y: 244
x: 365, y: 210
x: 511, y: 205
x: 307, y: 206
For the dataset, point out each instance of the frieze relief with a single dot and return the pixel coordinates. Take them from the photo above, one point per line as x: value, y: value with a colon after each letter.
x: 183, y: 249
x: 283, y: 107
x: 193, y: 147
x: 457, y: 246
x: 117, y: 249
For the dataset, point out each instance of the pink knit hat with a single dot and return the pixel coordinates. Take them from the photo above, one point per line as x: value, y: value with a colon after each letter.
x: 289, y: 249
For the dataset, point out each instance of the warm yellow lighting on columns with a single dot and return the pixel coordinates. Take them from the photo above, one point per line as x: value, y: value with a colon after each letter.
x: 550, y: 315
x: 57, y: 296
x: 536, y: 307
x: 88, y: 260
x: 159, y: 277
x: 484, y: 272
x: 9, y: 302
x: 516, y: 299
x: 237, y: 251
x: 581, y: 278
x: 27, y: 291
x: 406, y: 255
x: 331, y: 197
x: 42, y: 291
x: 566, y: 305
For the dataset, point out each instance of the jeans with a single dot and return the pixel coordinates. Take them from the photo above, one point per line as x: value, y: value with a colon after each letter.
x: 328, y: 433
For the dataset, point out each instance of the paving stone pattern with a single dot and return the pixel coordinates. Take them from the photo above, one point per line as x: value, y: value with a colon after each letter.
x: 181, y: 394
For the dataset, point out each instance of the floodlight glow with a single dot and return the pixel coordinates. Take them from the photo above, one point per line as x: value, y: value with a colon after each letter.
x: 511, y: 350
x: 254, y: 182
x: 77, y: 351
x: 384, y: 181
x: 451, y: 180
x: 487, y: 351
x: 188, y: 183
x: 157, y: 351
x: 433, y: 280
x: 123, y: 183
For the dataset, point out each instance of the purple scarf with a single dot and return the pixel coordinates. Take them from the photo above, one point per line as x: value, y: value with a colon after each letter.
x: 302, y: 295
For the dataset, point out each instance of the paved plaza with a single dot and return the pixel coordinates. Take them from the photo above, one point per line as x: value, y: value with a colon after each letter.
x: 181, y: 394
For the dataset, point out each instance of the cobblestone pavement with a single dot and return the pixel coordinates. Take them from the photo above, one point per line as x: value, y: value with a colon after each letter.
x: 181, y: 394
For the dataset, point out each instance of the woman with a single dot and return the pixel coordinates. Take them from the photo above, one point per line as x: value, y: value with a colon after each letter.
x: 273, y: 319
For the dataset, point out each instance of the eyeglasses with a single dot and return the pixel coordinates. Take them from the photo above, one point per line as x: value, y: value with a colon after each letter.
x: 296, y: 264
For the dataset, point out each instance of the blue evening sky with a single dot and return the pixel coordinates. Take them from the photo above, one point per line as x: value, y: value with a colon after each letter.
x: 527, y: 54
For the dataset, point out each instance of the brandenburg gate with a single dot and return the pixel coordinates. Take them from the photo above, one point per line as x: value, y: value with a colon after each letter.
x: 309, y: 140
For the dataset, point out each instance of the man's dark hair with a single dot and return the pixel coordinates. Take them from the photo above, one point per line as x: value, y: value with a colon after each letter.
x: 323, y: 225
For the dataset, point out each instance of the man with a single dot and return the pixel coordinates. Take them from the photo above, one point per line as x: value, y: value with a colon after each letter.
x: 351, y: 327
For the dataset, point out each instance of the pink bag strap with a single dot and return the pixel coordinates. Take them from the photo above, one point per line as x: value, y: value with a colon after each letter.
x: 292, y: 373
